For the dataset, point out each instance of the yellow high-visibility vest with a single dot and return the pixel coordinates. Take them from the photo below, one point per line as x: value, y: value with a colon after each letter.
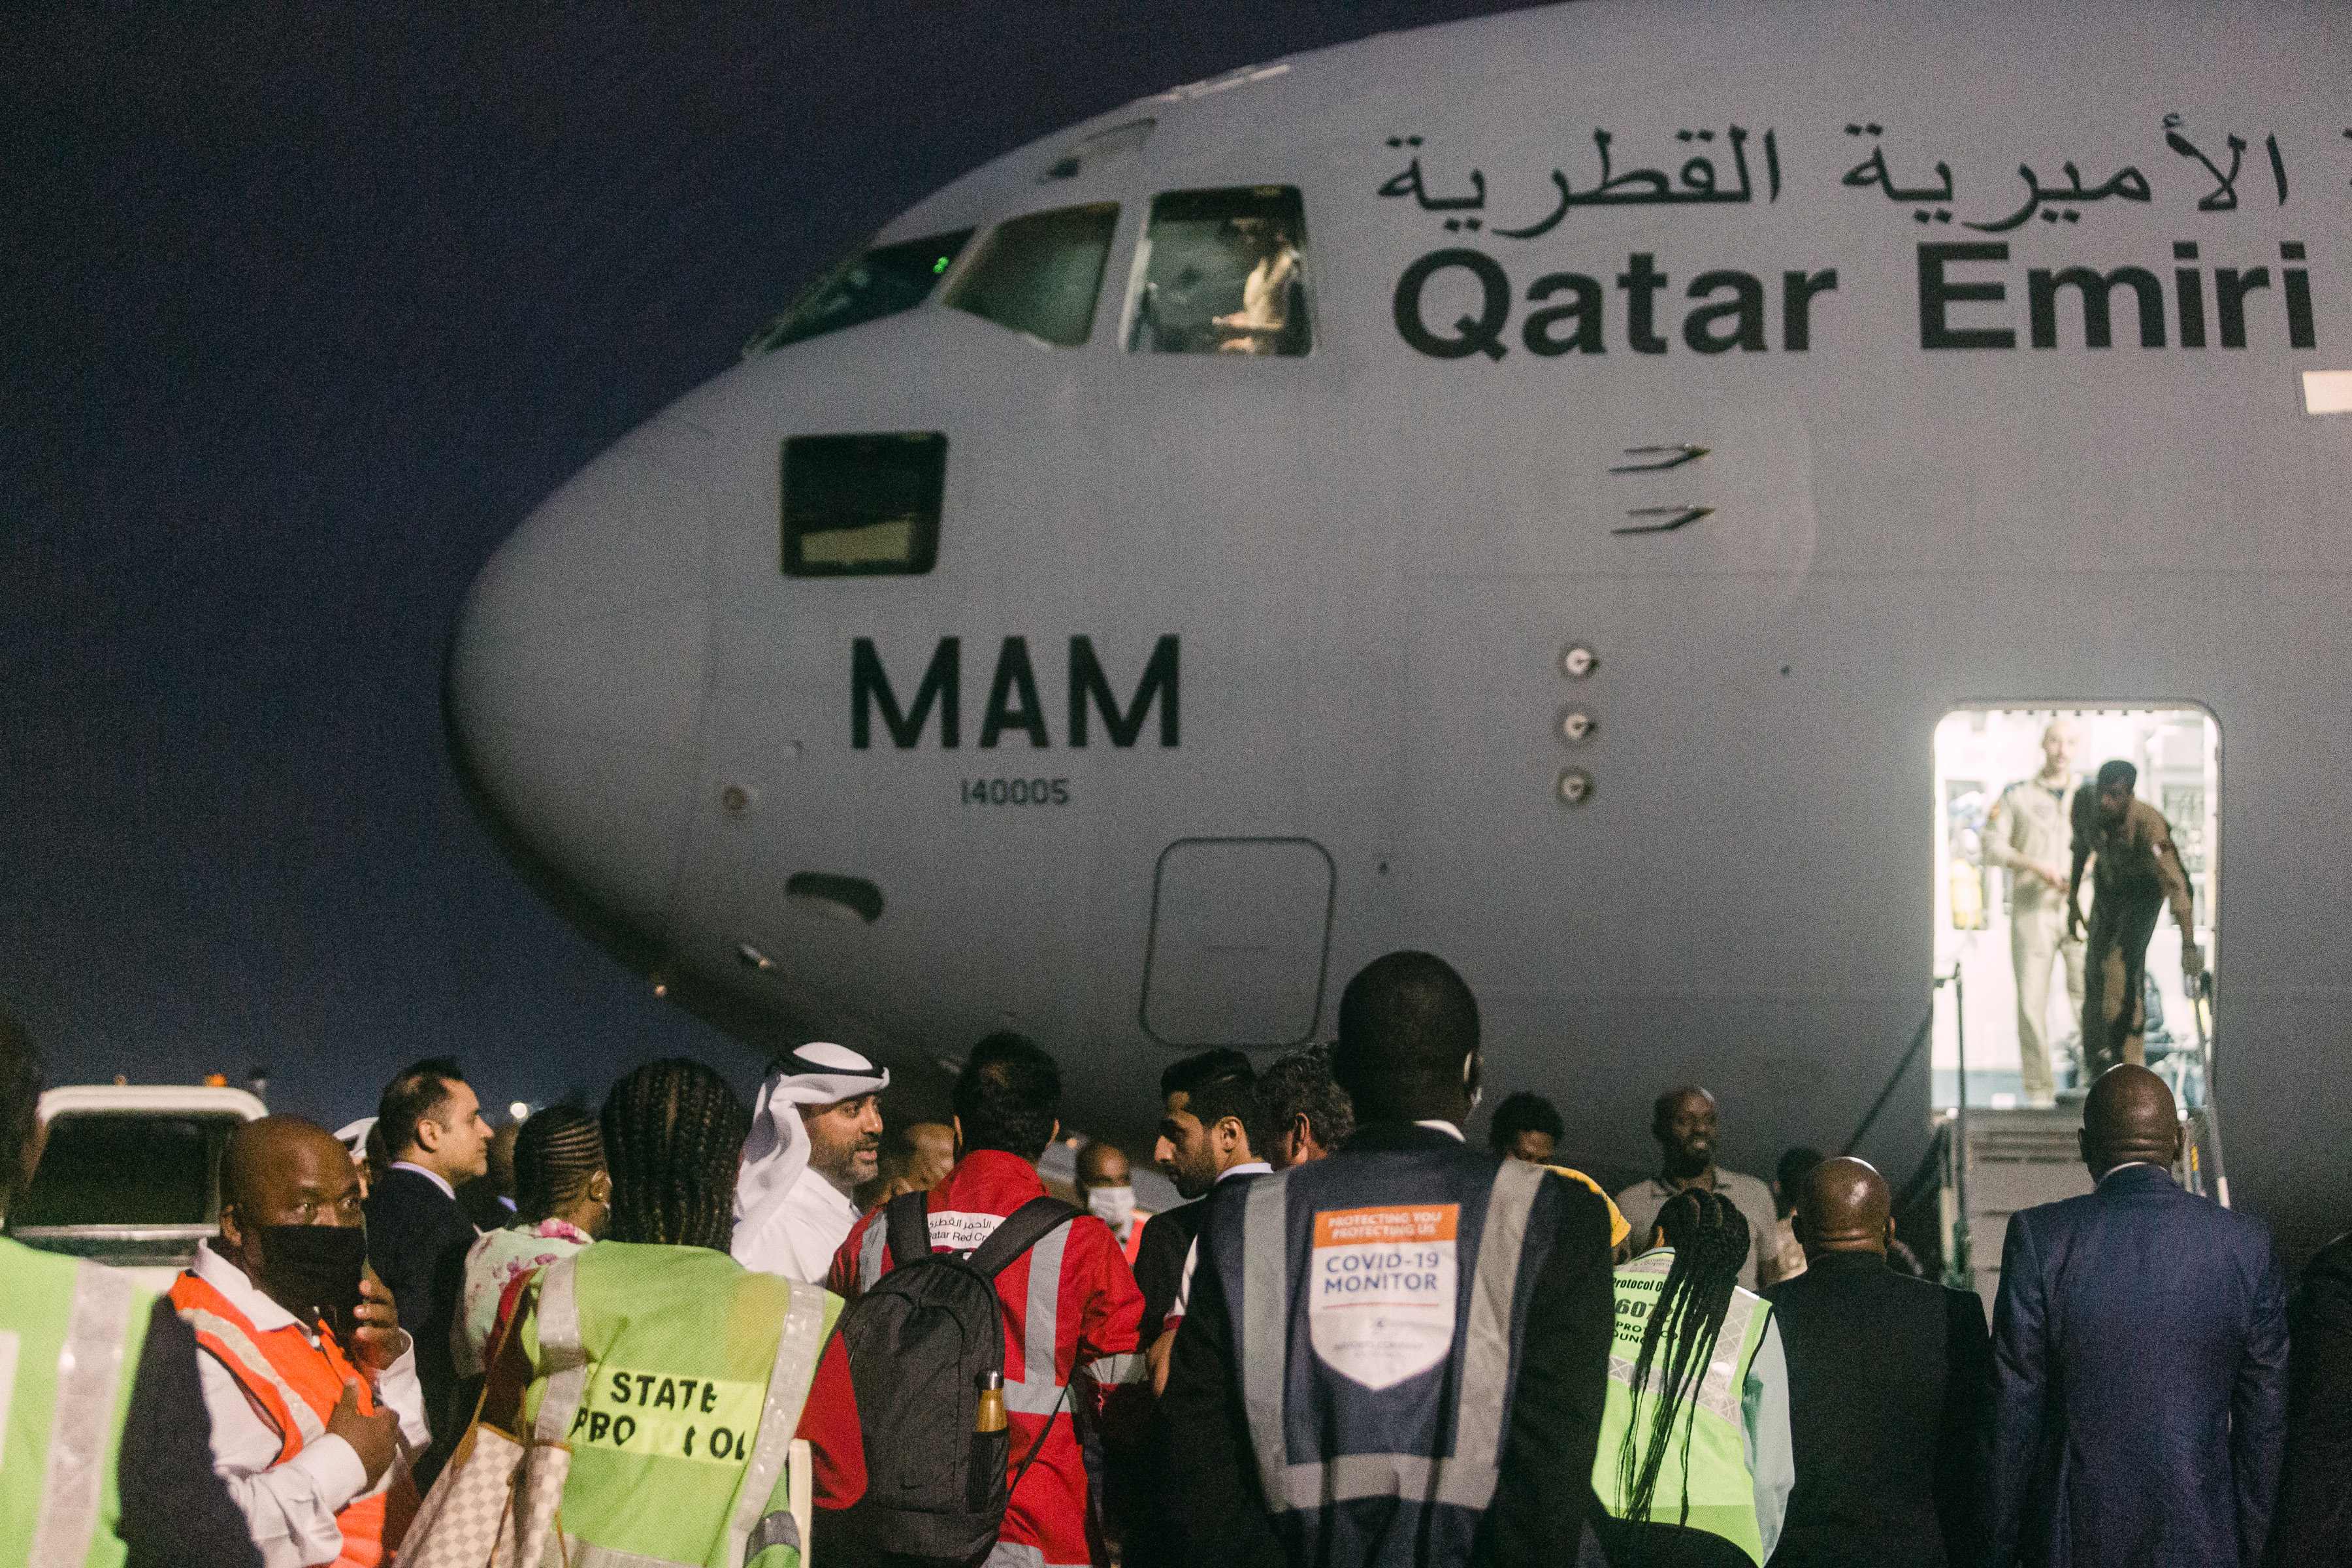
x: 676, y: 1377
x: 1722, y: 1490
x: 70, y: 1334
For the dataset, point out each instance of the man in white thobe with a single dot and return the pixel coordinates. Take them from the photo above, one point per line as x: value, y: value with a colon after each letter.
x: 816, y: 1134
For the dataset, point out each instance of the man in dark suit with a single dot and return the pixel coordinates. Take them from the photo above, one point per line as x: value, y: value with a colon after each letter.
x: 1890, y: 1392
x: 2312, y: 1527
x: 2140, y: 1350
x: 431, y: 1122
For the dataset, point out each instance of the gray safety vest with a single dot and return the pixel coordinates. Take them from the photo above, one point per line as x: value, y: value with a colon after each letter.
x: 1378, y: 1300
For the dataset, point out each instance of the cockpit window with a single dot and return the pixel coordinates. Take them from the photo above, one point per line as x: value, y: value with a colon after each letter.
x: 1224, y: 272
x: 872, y: 284
x: 1041, y: 274
x: 858, y: 506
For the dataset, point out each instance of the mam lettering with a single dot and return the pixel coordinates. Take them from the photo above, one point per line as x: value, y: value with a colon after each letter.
x: 1014, y: 705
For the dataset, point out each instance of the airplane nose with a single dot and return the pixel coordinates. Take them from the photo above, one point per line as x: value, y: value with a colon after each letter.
x: 575, y: 678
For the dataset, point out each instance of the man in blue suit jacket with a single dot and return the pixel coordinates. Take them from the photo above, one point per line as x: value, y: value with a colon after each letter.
x: 2139, y: 1343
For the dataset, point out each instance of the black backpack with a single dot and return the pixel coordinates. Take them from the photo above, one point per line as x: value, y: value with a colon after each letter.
x: 918, y: 1341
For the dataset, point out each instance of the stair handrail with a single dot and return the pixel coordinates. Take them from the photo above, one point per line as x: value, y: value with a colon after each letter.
x: 1930, y: 1171
x: 1920, y: 1038
x: 2200, y: 995
x: 1959, y: 1268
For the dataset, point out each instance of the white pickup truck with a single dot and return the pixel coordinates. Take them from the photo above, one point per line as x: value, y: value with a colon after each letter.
x: 131, y: 1177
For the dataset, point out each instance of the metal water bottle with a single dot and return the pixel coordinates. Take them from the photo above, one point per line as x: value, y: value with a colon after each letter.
x: 991, y: 1403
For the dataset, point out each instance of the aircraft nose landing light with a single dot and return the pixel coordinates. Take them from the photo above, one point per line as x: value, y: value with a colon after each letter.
x: 836, y: 897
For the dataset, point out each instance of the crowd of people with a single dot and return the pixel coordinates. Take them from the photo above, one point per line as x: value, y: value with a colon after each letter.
x: 1361, y: 1341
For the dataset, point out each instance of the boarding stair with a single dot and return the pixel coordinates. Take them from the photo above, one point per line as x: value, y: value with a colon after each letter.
x: 1984, y: 1164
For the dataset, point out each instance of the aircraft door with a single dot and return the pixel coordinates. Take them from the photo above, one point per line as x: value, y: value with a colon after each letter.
x: 1240, y: 929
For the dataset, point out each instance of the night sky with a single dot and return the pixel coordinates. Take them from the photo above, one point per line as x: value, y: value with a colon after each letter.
x: 305, y: 312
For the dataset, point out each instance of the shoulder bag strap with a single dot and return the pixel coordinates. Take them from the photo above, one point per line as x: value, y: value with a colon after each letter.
x: 1024, y: 1228
x: 907, y: 1221
x: 563, y: 1354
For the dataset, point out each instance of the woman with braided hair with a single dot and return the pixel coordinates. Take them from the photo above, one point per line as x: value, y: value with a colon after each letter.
x: 674, y: 1131
x: 564, y: 1198
x: 675, y: 1377
x: 1695, y: 1464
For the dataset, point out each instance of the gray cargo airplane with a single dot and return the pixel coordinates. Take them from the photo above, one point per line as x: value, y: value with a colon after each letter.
x: 1529, y: 490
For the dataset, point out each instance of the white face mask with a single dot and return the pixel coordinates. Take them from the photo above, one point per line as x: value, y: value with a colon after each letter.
x: 1114, y: 1207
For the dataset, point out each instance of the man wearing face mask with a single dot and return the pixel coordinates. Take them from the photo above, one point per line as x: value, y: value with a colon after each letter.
x: 309, y: 1380
x: 1105, y: 1184
x: 817, y: 1135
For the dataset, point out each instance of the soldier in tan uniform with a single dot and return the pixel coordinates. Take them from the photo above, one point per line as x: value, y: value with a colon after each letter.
x: 2138, y: 872
x: 2027, y: 835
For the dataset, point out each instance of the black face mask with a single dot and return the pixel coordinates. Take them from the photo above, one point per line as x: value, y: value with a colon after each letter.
x: 313, y: 1270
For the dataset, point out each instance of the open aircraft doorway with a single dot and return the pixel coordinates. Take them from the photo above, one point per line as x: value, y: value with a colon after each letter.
x: 2006, y: 781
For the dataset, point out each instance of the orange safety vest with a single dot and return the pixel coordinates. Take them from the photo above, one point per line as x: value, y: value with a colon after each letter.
x: 296, y: 1385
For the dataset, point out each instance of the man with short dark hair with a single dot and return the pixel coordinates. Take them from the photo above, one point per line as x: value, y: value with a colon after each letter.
x: 1527, y: 1126
x: 74, y: 1331
x: 1205, y: 1124
x: 2141, y: 1347
x: 1397, y: 1355
x: 1890, y: 1390
x: 431, y: 1123
x: 1007, y: 1106
x: 1684, y: 1122
x: 1305, y: 1113
x: 2137, y: 872
x: 1208, y: 1102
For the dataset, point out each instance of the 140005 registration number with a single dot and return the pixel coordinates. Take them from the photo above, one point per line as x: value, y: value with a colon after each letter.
x: 1016, y: 791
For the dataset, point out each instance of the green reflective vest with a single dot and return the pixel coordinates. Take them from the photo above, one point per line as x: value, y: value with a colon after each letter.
x: 1722, y: 1488
x: 70, y: 1334
x: 676, y: 1377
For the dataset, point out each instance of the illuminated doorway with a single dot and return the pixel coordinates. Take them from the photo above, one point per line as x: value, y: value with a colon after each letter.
x: 1981, y: 752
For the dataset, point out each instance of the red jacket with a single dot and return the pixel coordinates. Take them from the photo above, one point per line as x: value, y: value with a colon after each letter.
x: 1097, y: 1313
